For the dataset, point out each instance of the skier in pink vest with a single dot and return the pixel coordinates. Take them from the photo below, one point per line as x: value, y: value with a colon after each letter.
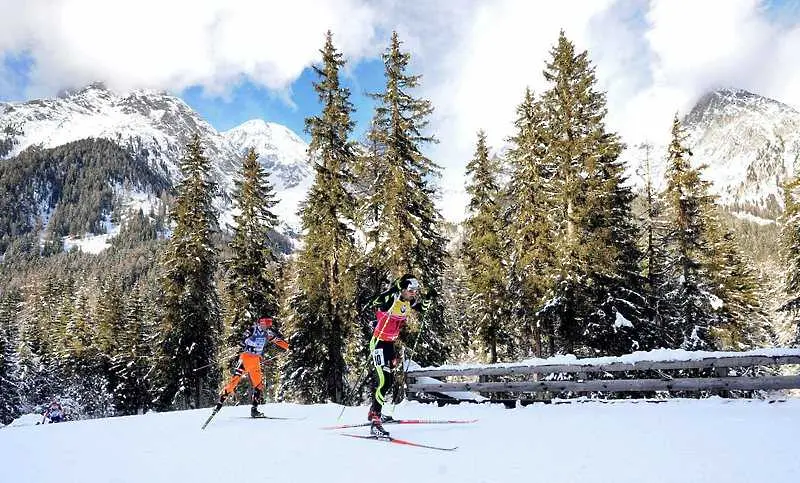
x: 392, y: 308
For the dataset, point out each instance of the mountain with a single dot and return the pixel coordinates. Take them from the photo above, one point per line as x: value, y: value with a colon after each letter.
x: 749, y: 143
x: 283, y: 155
x: 281, y: 151
x: 153, y: 126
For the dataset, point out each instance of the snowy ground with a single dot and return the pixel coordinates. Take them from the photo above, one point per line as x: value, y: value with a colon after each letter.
x: 712, y: 440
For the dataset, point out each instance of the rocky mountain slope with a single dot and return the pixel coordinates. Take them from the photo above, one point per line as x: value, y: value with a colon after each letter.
x: 749, y: 143
x: 155, y: 126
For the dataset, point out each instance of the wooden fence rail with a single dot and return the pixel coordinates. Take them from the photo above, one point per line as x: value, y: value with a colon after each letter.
x: 580, y: 381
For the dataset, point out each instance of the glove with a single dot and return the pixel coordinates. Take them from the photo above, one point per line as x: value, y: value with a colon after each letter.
x: 426, y: 304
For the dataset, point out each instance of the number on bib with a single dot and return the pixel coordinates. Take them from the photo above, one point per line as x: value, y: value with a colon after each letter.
x: 377, y: 356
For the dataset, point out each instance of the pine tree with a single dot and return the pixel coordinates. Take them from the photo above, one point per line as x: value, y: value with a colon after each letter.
x: 250, y: 284
x: 692, y: 299
x: 790, y: 243
x: 484, y: 249
x: 132, y: 360
x: 403, y: 223
x: 109, y: 323
x: 322, y: 317
x: 10, y: 403
x: 595, y: 303
x: 38, y: 343
x: 191, y: 305
x: 743, y: 322
x: 464, y: 342
x: 654, y: 261
x: 528, y: 233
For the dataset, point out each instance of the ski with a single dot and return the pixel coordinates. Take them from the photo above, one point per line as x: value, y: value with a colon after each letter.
x: 389, y: 439
x: 406, y: 421
x: 273, y: 417
x: 213, y: 413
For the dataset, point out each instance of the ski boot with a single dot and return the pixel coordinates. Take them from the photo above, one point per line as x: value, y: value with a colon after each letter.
x: 376, y: 429
x: 383, y: 418
x: 221, y: 401
x: 257, y: 399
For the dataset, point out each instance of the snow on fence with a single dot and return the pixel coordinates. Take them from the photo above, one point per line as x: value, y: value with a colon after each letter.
x: 568, y: 374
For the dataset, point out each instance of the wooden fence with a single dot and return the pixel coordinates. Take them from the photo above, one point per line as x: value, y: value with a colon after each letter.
x: 714, y: 374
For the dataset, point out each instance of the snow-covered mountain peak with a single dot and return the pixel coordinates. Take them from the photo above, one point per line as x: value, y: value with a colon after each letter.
x: 156, y: 126
x: 723, y: 105
x: 281, y: 151
x: 749, y: 143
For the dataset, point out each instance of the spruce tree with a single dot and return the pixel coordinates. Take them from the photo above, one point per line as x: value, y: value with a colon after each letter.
x: 109, y: 323
x: 10, y: 402
x: 654, y: 261
x: 594, y: 304
x: 38, y: 344
x: 483, y: 248
x: 692, y: 298
x: 250, y: 281
x: 403, y: 223
x: 529, y: 239
x: 132, y: 360
x: 790, y: 243
x: 322, y: 314
x: 743, y: 322
x: 190, y: 300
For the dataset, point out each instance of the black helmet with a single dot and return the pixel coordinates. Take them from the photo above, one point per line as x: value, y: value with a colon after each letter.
x: 408, y: 282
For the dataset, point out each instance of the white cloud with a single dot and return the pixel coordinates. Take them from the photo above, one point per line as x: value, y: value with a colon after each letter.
x: 177, y: 43
x: 476, y: 56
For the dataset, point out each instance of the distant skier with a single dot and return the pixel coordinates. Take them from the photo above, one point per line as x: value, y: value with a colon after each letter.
x: 253, y: 345
x: 54, y: 413
x: 391, y: 312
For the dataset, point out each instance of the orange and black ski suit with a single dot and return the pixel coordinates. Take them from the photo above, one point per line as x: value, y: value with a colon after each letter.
x: 255, y: 341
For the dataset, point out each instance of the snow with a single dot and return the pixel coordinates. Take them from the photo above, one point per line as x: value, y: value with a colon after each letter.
x: 742, y: 215
x: 627, y: 441
x: 90, y: 243
x: 638, y: 356
x: 716, y: 302
x: 621, y: 321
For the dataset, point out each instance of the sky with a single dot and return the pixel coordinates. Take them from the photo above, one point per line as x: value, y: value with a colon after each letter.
x: 234, y: 60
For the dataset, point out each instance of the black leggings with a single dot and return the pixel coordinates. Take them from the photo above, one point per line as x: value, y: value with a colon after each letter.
x: 384, y: 360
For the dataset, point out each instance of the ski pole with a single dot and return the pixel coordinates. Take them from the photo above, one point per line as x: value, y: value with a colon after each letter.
x: 226, y: 353
x: 413, y: 351
x: 354, y: 389
x: 363, y: 376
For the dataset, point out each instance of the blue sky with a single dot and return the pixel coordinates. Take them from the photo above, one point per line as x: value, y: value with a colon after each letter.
x: 234, y: 60
x: 289, y: 107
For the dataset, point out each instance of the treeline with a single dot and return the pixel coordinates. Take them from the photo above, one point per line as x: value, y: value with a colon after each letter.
x: 553, y: 259
x: 556, y: 261
x: 67, y: 190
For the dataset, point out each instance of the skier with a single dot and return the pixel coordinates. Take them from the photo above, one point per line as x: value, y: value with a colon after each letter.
x: 54, y: 413
x: 253, y: 345
x: 391, y: 311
